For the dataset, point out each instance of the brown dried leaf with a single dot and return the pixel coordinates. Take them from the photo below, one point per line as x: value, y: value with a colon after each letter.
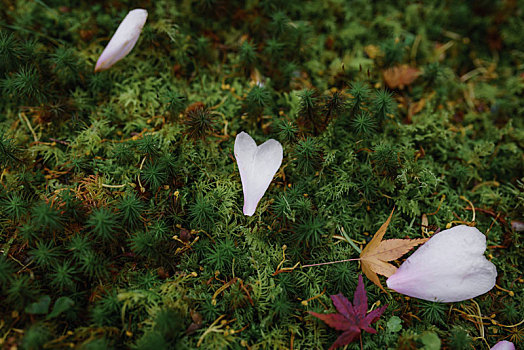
x: 416, y: 107
x: 400, y: 76
x: 256, y: 77
x: 372, y: 51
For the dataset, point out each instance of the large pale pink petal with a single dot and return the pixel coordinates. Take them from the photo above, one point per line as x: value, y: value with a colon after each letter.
x: 503, y: 345
x: 450, y: 267
x: 123, y: 40
x: 257, y: 166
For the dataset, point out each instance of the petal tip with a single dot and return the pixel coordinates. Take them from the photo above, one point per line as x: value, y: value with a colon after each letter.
x: 248, y: 212
x: 503, y: 345
x: 99, y: 67
x: 123, y: 40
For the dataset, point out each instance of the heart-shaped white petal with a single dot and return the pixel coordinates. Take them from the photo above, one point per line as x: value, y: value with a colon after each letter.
x: 257, y: 166
x: 450, y: 267
x: 123, y: 40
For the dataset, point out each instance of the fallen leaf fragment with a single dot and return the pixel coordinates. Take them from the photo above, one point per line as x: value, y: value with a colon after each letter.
x: 400, y: 76
x: 415, y: 108
x: 372, y: 51
x: 375, y: 256
x: 351, y: 318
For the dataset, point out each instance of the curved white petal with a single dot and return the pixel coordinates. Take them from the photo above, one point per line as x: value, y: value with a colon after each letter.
x: 123, y: 40
x: 257, y: 166
x: 450, y: 267
x: 503, y: 345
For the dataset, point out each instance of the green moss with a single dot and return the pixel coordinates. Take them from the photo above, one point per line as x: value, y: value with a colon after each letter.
x: 119, y: 190
x: 103, y: 223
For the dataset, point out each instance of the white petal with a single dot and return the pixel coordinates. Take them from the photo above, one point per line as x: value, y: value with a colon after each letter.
x: 503, y: 345
x: 257, y: 166
x: 123, y: 40
x: 517, y: 226
x: 450, y: 267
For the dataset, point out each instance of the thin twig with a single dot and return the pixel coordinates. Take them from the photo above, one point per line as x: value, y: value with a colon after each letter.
x: 472, y: 206
x: 142, y: 189
x: 441, y: 201
x: 24, y: 118
x: 113, y: 186
x: 331, y: 262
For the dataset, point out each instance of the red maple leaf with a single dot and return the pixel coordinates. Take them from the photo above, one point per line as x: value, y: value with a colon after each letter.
x: 351, y: 319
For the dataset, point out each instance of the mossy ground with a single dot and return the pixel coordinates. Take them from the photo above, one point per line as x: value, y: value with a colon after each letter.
x: 120, y: 201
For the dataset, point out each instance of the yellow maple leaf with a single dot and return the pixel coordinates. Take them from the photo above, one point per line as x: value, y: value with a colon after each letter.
x: 375, y: 256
